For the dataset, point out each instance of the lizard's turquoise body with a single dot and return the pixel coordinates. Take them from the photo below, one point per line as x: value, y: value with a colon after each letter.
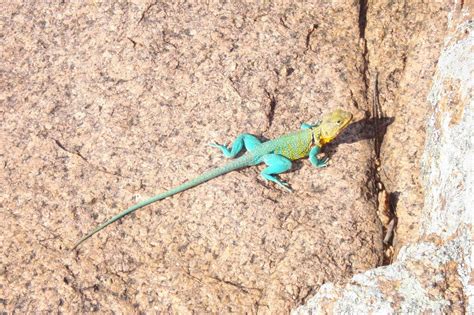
x: 277, y: 154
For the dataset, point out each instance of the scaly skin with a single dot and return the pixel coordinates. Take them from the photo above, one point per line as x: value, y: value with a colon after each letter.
x: 277, y: 154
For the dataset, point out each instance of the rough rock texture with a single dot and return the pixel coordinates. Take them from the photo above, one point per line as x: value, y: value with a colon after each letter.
x: 435, y: 274
x: 104, y: 104
x: 404, y: 39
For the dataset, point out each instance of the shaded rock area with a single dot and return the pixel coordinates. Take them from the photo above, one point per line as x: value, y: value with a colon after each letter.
x: 404, y: 39
x: 107, y: 104
x: 433, y: 271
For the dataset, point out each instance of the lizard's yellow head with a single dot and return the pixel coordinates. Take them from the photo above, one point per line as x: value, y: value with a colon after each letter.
x: 332, y: 124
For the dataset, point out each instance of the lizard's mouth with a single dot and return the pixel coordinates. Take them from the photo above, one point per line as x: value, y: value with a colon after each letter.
x: 345, y: 125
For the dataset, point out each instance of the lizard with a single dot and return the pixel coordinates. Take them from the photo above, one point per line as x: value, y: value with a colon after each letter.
x: 277, y: 154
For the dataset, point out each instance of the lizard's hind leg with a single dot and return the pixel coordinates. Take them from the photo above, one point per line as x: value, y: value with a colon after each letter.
x: 276, y: 164
x: 245, y: 140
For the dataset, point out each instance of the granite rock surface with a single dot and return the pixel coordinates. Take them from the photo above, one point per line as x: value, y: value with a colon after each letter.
x: 104, y: 104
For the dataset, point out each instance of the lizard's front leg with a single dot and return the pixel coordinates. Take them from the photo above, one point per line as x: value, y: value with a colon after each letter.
x: 309, y: 126
x: 276, y: 164
x: 244, y: 140
x: 314, y: 159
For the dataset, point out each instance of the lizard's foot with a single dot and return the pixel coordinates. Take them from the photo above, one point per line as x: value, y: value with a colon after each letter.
x: 285, y: 186
x: 322, y: 162
x: 227, y: 153
x: 216, y: 145
x: 281, y: 183
x: 245, y: 140
x: 313, y: 158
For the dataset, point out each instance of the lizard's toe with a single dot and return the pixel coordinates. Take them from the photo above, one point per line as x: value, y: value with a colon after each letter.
x: 227, y: 153
x: 214, y: 144
x: 285, y: 185
x: 287, y: 188
x: 322, y: 163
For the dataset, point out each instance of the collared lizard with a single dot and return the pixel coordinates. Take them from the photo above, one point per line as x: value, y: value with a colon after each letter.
x: 277, y: 154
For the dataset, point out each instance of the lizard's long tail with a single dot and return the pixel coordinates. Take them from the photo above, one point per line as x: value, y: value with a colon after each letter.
x: 241, y: 162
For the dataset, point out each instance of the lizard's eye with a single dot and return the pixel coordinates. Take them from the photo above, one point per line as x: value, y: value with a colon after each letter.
x: 338, y: 122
